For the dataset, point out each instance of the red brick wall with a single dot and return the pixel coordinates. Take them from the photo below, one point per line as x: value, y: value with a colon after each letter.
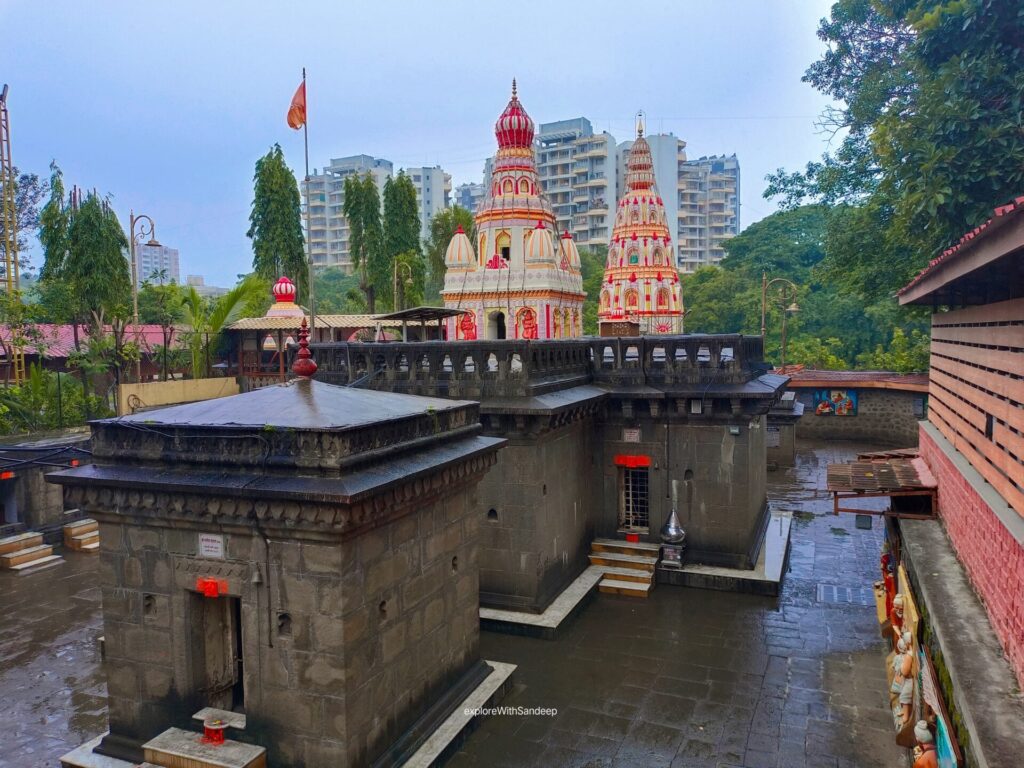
x: 992, y: 557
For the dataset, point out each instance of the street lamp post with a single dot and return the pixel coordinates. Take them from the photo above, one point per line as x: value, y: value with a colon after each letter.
x: 146, y: 228
x: 786, y: 301
x: 407, y: 282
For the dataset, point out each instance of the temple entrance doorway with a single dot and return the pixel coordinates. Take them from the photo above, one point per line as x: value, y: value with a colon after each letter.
x: 496, y: 325
x: 217, y: 651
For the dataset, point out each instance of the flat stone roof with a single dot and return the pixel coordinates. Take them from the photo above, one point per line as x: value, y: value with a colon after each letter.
x: 302, y: 404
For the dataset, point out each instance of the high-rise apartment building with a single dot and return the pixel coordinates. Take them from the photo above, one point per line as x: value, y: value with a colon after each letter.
x: 701, y: 196
x: 328, y: 229
x: 156, y: 264
x: 433, y: 193
x: 709, y: 209
x: 577, y: 173
x: 469, y: 195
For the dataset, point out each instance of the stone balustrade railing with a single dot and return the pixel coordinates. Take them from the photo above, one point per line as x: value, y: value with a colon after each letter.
x: 518, y: 368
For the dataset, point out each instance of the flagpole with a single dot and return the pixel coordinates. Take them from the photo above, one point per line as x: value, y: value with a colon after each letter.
x: 309, y: 202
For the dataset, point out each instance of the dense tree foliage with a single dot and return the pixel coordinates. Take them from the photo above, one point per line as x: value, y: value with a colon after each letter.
x: 401, y: 246
x: 443, y: 227
x: 275, y: 223
x: 365, y: 234
x: 205, y: 319
x: 338, y: 293
x: 833, y: 328
x: 29, y: 192
x: 592, y: 263
x: 930, y: 97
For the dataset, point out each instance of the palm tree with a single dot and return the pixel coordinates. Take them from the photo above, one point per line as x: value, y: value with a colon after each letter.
x: 206, y: 319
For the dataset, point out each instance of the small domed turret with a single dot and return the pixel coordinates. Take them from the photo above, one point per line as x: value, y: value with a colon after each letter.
x: 460, y: 251
x: 569, y: 251
x: 540, y: 247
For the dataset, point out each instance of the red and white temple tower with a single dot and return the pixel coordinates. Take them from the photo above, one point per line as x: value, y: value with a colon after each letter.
x: 522, y: 280
x: 641, y: 283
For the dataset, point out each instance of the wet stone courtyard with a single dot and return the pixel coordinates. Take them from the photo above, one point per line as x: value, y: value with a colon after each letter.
x: 685, y: 678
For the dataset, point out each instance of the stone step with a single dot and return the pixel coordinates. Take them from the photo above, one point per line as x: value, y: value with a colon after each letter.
x: 40, y: 564
x: 636, y: 562
x: 25, y: 555
x: 93, y: 548
x: 627, y: 588
x: 20, y: 541
x: 82, y: 541
x: 629, y: 574
x: 623, y: 547
x: 78, y: 527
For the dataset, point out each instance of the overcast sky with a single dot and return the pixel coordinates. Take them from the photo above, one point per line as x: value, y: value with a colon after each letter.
x: 166, y: 105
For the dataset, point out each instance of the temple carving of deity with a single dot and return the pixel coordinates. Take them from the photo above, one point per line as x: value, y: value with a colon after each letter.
x: 520, y: 279
x: 641, y: 284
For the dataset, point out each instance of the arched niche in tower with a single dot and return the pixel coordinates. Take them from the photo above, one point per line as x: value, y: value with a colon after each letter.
x: 503, y: 245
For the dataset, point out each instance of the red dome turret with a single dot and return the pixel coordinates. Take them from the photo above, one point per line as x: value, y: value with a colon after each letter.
x: 514, y: 128
x: 284, y: 290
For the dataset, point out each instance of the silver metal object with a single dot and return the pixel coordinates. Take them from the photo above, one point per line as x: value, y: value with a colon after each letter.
x: 672, y: 531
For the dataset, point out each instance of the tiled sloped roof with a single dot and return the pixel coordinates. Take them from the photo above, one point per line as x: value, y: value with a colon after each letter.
x: 58, y: 341
x: 292, y: 323
x: 799, y: 376
x: 1013, y: 208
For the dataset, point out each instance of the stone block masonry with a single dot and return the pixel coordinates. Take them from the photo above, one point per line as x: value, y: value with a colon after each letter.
x: 337, y: 610
x: 886, y: 417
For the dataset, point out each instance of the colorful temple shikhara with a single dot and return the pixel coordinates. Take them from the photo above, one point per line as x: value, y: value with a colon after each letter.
x: 641, y: 284
x: 523, y: 280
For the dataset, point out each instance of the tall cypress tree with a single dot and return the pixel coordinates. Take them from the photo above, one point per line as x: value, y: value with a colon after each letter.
x: 365, y: 236
x: 401, y: 241
x: 276, y: 223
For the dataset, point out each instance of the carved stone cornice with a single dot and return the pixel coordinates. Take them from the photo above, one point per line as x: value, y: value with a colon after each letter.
x: 116, y: 497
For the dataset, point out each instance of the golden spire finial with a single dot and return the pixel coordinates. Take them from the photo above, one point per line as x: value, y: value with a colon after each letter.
x: 640, y: 124
x: 513, y: 87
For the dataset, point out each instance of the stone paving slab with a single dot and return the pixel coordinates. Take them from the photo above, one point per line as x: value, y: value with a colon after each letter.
x: 700, y: 679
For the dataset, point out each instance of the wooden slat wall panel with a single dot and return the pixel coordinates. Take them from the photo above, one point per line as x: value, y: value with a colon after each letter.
x: 1002, y: 360
x: 1013, y: 495
x: 992, y: 335
x: 997, y: 457
x: 1001, y: 311
x: 1013, y: 443
x: 1000, y: 409
x: 993, y: 382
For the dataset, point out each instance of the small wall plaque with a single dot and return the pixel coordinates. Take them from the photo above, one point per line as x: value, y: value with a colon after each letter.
x: 211, y: 545
x: 631, y: 435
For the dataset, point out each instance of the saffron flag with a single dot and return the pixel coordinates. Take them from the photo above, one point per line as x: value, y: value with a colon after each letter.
x: 297, y: 110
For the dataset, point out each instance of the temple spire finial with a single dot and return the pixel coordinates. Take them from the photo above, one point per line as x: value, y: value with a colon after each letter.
x: 304, y: 365
x: 513, y: 88
x: 640, y: 124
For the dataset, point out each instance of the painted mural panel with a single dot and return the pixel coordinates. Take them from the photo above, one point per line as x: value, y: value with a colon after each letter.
x: 835, y: 402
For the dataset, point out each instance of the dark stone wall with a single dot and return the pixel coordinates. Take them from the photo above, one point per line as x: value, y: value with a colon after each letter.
x: 345, y: 642
x: 536, y: 512
x: 884, y: 416
x: 725, y: 510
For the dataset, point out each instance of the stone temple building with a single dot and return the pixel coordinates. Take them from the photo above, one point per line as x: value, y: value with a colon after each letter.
x: 520, y: 279
x: 641, y: 284
x: 305, y: 554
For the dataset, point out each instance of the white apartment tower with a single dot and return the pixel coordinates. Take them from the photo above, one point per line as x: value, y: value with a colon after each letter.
x: 157, y: 264
x: 433, y: 193
x: 328, y: 229
x: 577, y: 173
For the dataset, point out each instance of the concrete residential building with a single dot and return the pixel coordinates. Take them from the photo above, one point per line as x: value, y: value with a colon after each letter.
x: 469, y: 195
x: 433, y: 193
x: 328, y: 229
x: 577, y: 174
x: 709, y: 209
x: 154, y: 259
